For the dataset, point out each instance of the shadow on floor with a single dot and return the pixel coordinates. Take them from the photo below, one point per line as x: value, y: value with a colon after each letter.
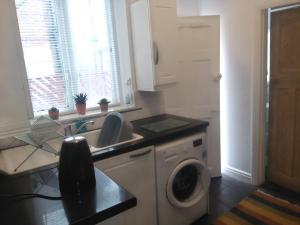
x: 281, y: 192
x: 225, y: 192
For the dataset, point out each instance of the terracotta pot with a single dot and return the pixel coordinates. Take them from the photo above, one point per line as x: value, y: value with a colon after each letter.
x: 53, y: 115
x: 81, y: 109
x: 104, y: 107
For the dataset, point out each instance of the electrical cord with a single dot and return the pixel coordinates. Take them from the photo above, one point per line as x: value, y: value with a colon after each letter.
x: 28, y: 196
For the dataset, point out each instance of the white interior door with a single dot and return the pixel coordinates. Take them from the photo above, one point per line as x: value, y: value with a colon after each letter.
x: 198, y: 89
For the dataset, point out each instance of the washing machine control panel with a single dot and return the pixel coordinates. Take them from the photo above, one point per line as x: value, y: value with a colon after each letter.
x: 197, y: 142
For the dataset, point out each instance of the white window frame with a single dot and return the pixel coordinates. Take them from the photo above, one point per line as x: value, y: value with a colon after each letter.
x: 120, y: 27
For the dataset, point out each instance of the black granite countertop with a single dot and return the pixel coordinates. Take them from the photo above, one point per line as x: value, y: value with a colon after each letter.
x: 107, y: 200
x: 152, y: 138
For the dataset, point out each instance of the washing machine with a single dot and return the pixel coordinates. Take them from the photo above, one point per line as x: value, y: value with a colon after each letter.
x: 183, y: 180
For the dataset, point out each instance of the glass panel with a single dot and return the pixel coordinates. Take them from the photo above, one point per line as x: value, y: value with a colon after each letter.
x: 185, y: 182
x: 39, y: 35
x: 93, y: 50
x: 69, y: 47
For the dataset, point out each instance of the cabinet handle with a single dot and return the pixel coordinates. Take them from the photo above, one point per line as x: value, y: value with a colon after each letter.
x: 140, y: 154
x: 155, y: 53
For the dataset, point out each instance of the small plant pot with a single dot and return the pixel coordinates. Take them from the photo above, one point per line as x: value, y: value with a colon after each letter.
x: 53, y: 115
x: 81, y: 109
x: 104, y: 107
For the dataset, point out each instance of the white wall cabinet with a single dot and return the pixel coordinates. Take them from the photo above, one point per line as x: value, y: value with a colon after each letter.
x: 135, y: 172
x: 154, y: 37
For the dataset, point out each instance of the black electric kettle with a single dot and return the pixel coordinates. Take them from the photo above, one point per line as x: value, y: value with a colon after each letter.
x: 76, y: 169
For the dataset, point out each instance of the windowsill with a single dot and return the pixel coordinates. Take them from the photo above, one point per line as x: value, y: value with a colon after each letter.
x: 91, y: 114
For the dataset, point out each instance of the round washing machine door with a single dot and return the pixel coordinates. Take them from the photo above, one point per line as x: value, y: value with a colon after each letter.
x: 188, y: 183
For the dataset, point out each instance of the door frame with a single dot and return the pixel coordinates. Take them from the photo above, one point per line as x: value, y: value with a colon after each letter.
x: 259, y: 110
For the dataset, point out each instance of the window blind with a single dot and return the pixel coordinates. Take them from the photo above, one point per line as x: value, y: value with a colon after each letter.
x: 69, y: 47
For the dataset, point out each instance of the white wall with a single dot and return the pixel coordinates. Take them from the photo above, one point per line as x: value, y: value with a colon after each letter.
x: 241, y: 57
x: 14, y: 112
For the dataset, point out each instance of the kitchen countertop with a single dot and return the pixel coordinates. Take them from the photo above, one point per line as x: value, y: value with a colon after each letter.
x: 152, y: 138
x: 107, y: 200
x: 10, y: 159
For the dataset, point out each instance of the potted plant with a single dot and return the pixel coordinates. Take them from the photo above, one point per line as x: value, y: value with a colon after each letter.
x: 80, y: 101
x: 53, y: 113
x: 103, y: 104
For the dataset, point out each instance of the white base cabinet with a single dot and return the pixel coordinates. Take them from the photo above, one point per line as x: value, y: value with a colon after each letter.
x: 135, y: 172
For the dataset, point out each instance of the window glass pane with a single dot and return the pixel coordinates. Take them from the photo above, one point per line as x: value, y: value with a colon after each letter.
x: 69, y: 47
x: 93, y: 50
x: 39, y: 35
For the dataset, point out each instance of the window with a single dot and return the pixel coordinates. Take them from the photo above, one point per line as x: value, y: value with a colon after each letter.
x: 71, y: 47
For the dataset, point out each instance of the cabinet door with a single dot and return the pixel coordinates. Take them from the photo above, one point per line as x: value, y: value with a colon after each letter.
x: 142, y: 45
x: 164, y: 33
x: 135, y: 172
x: 116, y: 220
x: 154, y: 37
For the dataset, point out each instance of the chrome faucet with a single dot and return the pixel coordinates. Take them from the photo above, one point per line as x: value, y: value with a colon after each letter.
x: 68, y: 128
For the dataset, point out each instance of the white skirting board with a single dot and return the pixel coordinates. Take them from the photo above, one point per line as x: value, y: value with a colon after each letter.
x: 238, y: 174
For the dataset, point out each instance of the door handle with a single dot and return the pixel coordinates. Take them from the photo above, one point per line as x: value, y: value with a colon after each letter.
x: 155, y: 53
x: 133, y: 156
x: 218, y: 77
